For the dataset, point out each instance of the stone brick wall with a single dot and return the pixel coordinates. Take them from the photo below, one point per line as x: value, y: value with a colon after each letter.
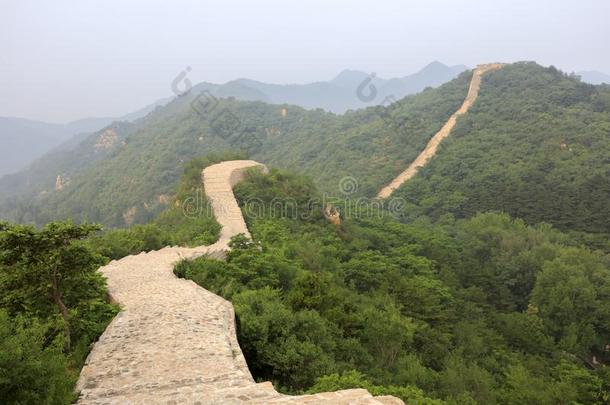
x: 445, y: 131
x: 174, y: 342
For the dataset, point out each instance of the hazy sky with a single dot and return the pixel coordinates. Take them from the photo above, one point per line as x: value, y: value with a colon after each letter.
x: 64, y: 60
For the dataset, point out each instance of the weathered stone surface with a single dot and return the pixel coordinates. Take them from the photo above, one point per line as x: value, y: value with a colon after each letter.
x: 174, y: 342
x: 218, y: 181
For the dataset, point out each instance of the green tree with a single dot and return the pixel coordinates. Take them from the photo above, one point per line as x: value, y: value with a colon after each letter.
x: 45, y: 265
x: 281, y: 345
x: 578, y: 383
x: 397, y: 331
x: 571, y: 295
x: 355, y: 379
x: 32, y: 370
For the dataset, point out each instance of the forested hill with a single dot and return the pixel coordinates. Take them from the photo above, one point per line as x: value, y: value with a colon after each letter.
x: 535, y: 145
x: 124, y: 172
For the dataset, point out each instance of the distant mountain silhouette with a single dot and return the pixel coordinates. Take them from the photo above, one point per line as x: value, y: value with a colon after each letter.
x: 339, y: 94
x: 594, y: 77
x: 22, y: 141
x: 506, y: 154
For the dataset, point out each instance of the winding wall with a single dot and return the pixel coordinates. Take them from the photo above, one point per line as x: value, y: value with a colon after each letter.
x: 445, y: 131
x: 174, y: 342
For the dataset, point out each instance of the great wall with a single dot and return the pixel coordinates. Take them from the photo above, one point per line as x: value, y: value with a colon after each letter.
x: 174, y: 342
x: 430, y: 149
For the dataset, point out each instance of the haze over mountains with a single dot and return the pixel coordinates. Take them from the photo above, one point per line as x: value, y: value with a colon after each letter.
x: 133, y: 167
x: 594, y: 77
x: 339, y: 94
x: 22, y: 140
x: 303, y: 205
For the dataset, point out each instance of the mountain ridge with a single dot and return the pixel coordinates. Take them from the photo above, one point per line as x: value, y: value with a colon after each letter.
x: 594, y: 77
x: 371, y: 145
x: 20, y: 146
x: 194, y: 132
x: 23, y: 140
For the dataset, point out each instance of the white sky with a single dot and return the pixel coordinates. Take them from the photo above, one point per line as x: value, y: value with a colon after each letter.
x: 64, y: 60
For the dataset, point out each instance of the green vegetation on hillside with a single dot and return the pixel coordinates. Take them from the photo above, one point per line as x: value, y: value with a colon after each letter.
x: 482, y: 292
x: 188, y: 220
x: 535, y: 145
x: 484, y: 310
x: 140, y: 163
x: 53, y: 306
x: 480, y: 310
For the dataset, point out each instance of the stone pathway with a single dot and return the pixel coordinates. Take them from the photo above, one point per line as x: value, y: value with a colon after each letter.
x: 174, y: 342
x: 445, y: 131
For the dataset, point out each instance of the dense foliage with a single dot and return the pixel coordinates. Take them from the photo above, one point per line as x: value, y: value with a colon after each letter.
x: 485, y: 310
x: 534, y: 145
x: 123, y: 174
x: 188, y: 220
x: 450, y: 303
x: 53, y: 305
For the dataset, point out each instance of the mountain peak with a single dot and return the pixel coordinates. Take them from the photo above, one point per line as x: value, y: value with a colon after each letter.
x: 435, y: 66
x: 348, y: 77
x: 435, y: 63
x: 594, y: 77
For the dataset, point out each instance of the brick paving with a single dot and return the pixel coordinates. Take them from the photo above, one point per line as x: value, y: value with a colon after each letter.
x: 174, y: 342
